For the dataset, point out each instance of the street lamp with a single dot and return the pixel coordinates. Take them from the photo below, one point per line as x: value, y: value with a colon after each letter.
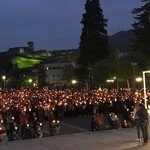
x: 134, y: 64
x: 138, y: 82
x: 89, y: 77
x: 144, y: 86
x: 110, y: 80
x: 74, y: 81
x: 30, y: 81
x: 138, y: 79
x: 4, y: 78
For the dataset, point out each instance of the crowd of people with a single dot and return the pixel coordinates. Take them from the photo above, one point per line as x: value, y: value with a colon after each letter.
x: 19, y: 107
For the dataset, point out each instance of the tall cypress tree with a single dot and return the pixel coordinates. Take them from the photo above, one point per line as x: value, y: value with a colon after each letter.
x: 141, y: 28
x: 94, y: 39
x: 41, y: 76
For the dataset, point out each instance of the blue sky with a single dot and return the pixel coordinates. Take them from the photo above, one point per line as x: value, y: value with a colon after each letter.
x: 55, y: 24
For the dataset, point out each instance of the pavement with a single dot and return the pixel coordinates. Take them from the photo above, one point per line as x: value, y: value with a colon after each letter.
x: 118, y: 139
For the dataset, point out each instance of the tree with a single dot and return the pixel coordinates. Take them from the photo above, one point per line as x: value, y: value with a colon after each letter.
x: 16, y: 78
x: 41, y: 76
x: 81, y: 74
x: 101, y: 71
x: 141, y: 27
x: 68, y: 73
x: 94, y: 39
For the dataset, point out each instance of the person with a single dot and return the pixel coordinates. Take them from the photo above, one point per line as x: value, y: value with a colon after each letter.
x: 34, y: 121
x: 51, y: 117
x: 142, y: 114
x: 137, y: 121
x: 23, y: 123
x: 3, y: 135
x: 15, y: 132
x: 114, y: 121
x: 93, y: 124
x: 126, y: 116
x: 9, y: 126
x: 99, y: 121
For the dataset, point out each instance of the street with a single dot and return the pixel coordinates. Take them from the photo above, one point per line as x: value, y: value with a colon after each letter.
x: 118, y: 139
x: 75, y: 134
x: 71, y: 125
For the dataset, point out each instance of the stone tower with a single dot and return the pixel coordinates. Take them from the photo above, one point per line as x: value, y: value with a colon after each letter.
x: 30, y: 45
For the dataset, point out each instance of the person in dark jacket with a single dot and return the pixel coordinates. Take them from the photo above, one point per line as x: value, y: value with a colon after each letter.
x: 142, y: 114
x: 137, y: 121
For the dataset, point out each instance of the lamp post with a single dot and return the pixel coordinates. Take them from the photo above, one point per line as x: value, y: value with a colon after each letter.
x: 4, y: 79
x: 73, y: 81
x: 89, y: 77
x: 138, y: 79
x: 134, y: 64
x: 30, y: 81
x: 110, y: 80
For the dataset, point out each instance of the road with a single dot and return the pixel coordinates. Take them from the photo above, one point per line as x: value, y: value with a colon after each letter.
x: 118, y: 139
x: 75, y: 134
x: 71, y: 125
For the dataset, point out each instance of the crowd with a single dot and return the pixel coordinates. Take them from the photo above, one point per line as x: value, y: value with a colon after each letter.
x: 23, y: 106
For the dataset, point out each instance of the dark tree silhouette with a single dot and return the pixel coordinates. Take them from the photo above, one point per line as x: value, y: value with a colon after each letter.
x: 141, y: 27
x: 94, y: 39
x: 41, y: 76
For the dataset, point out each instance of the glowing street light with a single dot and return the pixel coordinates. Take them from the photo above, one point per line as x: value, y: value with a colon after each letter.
x: 138, y: 79
x: 30, y: 80
x: 110, y: 81
x: 4, y: 78
x: 34, y: 84
x: 74, y: 81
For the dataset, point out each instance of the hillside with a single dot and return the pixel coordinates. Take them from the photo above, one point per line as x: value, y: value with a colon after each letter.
x: 121, y: 40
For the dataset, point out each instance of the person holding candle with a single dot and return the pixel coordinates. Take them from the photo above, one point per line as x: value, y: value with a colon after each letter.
x: 143, y: 119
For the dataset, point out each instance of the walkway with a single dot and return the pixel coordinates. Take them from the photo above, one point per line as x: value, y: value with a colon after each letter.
x: 119, y: 139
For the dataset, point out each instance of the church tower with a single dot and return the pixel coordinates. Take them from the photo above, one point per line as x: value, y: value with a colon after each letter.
x: 30, y: 46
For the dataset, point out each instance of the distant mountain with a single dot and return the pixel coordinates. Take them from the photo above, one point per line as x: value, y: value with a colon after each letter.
x: 121, y: 40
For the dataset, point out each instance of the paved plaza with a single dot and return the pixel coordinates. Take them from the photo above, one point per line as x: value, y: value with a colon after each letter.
x: 119, y: 139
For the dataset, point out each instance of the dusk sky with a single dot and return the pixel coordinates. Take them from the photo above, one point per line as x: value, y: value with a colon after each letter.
x: 55, y: 24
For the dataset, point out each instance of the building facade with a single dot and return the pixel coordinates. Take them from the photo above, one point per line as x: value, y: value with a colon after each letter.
x: 55, y: 72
